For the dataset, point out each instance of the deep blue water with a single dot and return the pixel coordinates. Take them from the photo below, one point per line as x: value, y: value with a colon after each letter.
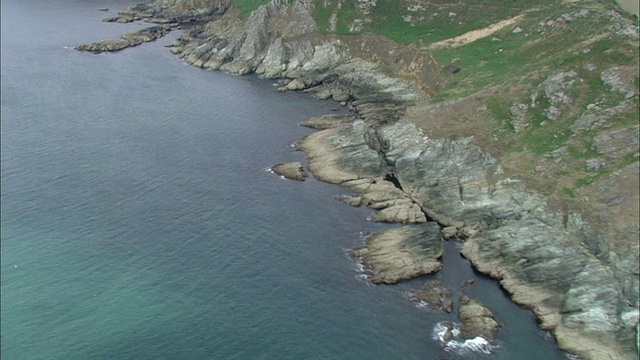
x: 139, y: 220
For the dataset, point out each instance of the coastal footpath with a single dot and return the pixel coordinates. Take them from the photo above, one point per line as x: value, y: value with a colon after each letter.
x: 499, y: 132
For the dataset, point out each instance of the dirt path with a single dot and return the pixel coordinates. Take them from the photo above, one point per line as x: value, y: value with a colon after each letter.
x: 474, y: 35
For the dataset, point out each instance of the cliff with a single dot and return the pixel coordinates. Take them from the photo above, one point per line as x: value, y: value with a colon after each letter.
x: 515, y: 131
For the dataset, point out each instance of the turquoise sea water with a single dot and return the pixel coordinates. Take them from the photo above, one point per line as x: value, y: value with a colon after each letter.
x: 139, y: 220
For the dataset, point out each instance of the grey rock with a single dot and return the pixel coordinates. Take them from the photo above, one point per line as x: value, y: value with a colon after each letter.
x: 435, y: 295
x: 552, y: 112
x: 555, y: 87
x: 131, y: 39
x: 328, y: 121
x: 561, y: 151
x: 292, y: 170
x: 403, y: 253
x: 594, y: 164
x: 467, y: 283
x: 519, y: 112
x: 616, y: 143
x: 477, y: 319
x: 449, y: 232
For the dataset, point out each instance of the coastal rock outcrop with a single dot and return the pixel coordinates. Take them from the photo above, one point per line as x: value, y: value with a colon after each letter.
x: 172, y: 11
x: 539, y: 256
x: 292, y: 170
x: 402, y: 253
x: 435, y: 295
x: 328, y: 121
x: 135, y: 38
x: 477, y: 319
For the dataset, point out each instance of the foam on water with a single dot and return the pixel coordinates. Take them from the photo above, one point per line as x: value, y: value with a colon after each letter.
x: 458, y: 345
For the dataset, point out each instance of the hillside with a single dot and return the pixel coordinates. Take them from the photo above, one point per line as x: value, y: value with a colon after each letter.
x: 512, y: 124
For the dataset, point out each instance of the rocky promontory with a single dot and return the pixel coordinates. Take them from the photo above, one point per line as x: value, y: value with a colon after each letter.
x: 485, y: 152
x: 402, y: 253
x: 135, y: 38
x: 292, y: 170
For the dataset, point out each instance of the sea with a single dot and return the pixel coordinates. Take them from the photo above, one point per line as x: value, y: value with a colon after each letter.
x: 140, y: 219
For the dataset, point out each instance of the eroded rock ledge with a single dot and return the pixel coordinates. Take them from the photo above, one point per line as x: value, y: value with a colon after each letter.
x: 292, y: 170
x: 403, y: 253
x: 135, y: 38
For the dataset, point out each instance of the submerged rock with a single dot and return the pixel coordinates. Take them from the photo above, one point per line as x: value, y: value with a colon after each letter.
x: 435, y: 295
x: 403, y: 253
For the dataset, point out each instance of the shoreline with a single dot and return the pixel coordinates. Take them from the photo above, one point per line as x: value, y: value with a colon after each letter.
x: 543, y: 262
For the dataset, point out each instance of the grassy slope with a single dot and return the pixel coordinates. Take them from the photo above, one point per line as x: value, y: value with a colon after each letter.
x: 508, y: 67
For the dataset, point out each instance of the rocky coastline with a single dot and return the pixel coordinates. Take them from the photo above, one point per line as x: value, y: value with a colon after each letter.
x: 582, y: 291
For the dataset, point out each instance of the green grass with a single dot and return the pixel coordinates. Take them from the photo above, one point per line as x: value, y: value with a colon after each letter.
x: 568, y: 192
x: 322, y: 14
x: 247, y: 6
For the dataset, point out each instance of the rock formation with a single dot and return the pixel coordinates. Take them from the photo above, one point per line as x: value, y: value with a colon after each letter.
x: 402, y: 253
x: 135, y: 38
x: 477, y: 319
x: 292, y: 170
x: 434, y: 294
x: 579, y: 280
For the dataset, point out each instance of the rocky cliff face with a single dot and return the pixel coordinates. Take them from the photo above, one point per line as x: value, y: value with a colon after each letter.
x: 538, y: 255
x: 581, y: 282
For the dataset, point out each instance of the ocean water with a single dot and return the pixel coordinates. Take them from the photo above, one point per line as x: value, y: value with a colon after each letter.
x: 140, y: 221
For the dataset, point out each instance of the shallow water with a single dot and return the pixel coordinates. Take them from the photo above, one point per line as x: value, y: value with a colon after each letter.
x: 139, y: 219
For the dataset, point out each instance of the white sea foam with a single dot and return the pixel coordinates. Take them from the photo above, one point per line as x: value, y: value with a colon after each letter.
x: 573, y: 357
x: 458, y: 345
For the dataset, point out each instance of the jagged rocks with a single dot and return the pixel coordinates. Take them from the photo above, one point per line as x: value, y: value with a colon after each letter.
x: 393, y: 204
x: 616, y: 143
x: 171, y: 11
x: 512, y: 235
x: 519, y: 112
x: 477, y: 319
x: 135, y: 38
x: 328, y: 121
x: 341, y: 154
x: 435, y: 295
x: 402, y: 253
x: 292, y: 170
x: 555, y: 88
